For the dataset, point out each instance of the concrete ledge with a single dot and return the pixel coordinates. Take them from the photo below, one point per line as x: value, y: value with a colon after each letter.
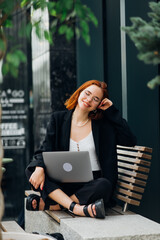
x: 126, y: 227
x: 40, y: 221
x: 11, y: 226
x: 115, y: 227
x: 24, y: 236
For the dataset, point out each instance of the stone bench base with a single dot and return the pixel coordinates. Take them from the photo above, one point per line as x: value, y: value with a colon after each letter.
x: 115, y: 227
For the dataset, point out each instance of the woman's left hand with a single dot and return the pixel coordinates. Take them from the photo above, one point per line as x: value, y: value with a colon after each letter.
x: 105, y: 104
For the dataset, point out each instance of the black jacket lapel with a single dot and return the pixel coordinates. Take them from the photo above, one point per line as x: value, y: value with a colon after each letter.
x: 95, y: 131
x: 66, y: 130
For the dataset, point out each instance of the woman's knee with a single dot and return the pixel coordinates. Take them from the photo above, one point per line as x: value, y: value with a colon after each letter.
x: 103, y: 185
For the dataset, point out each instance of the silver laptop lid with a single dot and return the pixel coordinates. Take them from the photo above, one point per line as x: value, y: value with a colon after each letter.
x: 66, y: 166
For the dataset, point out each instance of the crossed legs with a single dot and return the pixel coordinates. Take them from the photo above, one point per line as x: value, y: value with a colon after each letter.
x: 89, y: 193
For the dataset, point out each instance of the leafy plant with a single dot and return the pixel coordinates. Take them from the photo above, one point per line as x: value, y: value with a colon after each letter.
x: 146, y: 37
x: 69, y: 18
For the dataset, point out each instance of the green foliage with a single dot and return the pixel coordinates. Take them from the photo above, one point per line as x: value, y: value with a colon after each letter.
x: 2, y: 45
x: 146, y: 37
x: 70, y: 18
x: 48, y: 36
x: 154, y: 82
x: 12, y: 61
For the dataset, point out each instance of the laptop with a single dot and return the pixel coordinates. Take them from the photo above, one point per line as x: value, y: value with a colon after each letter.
x: 69, y: 167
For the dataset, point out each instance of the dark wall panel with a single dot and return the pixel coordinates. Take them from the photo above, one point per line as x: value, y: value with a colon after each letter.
x: 90, y: 58
x: 112, y: 51
x: 143, y: 112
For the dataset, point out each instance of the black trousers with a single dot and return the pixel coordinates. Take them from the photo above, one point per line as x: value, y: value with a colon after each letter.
x: 86, y: 193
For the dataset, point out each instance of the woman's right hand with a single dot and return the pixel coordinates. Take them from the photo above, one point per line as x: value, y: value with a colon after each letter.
x: 37, y: 178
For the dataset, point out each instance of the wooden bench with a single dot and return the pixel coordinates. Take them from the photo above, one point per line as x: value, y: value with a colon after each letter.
x: 133, y: 169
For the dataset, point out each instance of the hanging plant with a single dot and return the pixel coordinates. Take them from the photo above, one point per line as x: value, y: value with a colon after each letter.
x: 146, y: 37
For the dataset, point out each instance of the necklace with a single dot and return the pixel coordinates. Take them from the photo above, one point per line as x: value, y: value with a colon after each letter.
x: 80, y: 125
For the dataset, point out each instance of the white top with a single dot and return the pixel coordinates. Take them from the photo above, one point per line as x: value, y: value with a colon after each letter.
x: 87, y: 144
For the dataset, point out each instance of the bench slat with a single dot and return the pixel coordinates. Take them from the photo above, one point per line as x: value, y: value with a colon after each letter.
x: 131, y: 180
x: 128, y: 200
x: 133, y: 174
x: 131, y: 187
x: 59, y: 215
x: 133, y: 167
x: 139, y: 148
x: 129, y: 193
x: 135, y: 154
x: 134, y: 160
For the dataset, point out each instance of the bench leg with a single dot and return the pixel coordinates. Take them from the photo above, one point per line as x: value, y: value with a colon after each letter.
x: 125, y: 207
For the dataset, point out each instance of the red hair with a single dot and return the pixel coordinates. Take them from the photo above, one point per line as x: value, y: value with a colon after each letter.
x: 71, y: 103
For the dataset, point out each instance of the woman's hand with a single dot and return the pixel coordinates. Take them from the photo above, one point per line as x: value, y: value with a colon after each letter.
x: 105, y: 103
x: 37, y: 178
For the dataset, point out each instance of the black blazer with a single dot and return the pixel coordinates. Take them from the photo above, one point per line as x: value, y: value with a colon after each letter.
x: 109, y: 131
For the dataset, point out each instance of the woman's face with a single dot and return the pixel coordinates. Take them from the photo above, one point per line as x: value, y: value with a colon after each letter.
x: 90, y: 98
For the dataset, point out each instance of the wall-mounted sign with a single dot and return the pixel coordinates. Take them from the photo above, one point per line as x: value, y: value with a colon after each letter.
x: 13, y: 118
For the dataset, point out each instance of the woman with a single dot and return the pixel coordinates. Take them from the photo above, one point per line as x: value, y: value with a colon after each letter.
x: 91, y: 123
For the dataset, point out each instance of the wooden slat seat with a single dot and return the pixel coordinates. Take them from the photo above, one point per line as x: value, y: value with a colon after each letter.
x: 132, y: 173
x: 131, y: 187
x: 134, y: 160
x: 132, y: 180
x: 135, y: 154
x: 133, y: 169
x: 136, y: 148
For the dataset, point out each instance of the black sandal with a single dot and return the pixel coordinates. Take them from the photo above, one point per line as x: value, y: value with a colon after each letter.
x: 100, y: 211
x: 72, y: 207
x: 29, y: 201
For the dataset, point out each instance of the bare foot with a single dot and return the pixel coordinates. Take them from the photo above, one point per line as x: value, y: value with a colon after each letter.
x: 42, y: 205
x: 54, y: 207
